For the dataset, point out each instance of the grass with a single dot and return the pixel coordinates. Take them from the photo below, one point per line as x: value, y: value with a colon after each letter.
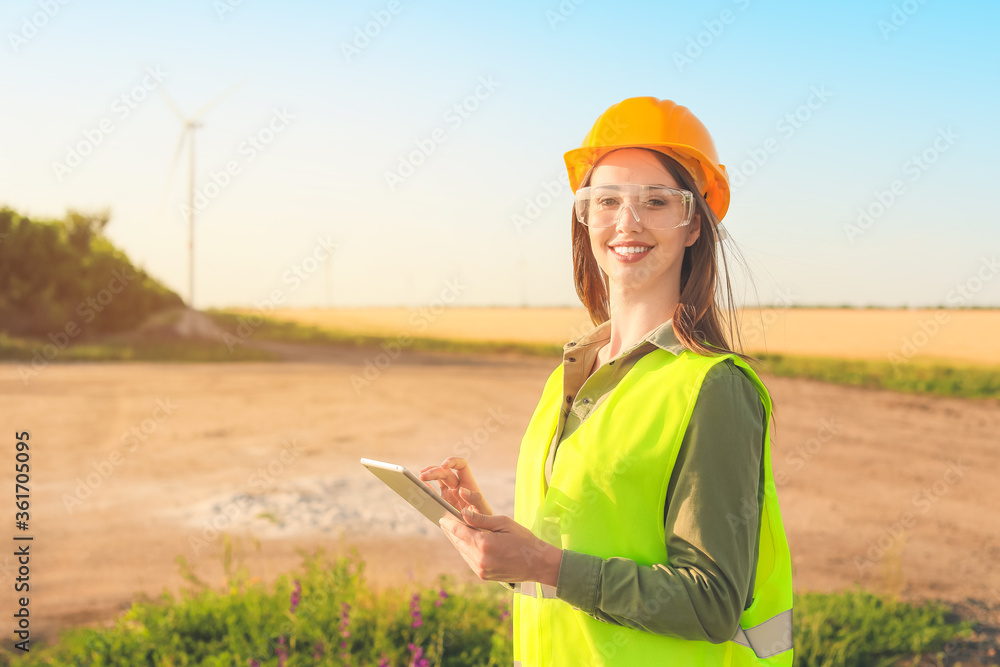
x: 325, y: 614
x: 933, y: 378
x: 292, y: 332
x: 938, y: 379
x: 39, y: 352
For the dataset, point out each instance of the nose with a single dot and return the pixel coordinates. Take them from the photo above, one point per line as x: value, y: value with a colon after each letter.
x: 629, y: 220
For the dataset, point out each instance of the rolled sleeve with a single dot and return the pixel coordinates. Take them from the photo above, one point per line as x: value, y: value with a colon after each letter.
x: 711, y: 522
x: 579, y: 581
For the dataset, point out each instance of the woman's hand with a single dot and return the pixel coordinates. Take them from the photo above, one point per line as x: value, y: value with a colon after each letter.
x: 458, y: 486
x: 497, y: 548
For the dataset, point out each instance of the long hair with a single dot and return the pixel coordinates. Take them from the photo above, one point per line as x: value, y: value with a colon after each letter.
x: 697, y: 318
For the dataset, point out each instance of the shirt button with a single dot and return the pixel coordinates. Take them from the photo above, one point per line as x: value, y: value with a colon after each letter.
x: 570, y: 344
x: 586, y: 400
x: 572, y: 358
x: 569, y: 399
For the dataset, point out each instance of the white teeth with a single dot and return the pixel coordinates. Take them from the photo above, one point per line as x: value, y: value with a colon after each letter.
x: 630, y: 250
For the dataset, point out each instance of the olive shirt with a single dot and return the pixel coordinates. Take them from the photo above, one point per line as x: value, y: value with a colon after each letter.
x: 712, y: 511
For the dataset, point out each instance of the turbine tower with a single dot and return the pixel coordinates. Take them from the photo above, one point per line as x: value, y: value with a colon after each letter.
x: 189, y: 125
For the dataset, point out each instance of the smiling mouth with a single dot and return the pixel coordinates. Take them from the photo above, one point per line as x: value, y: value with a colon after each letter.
x: 630, y: 251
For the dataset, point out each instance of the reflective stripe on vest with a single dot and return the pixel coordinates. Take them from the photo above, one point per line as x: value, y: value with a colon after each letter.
x: 594, y: 485
x: 766, y: 639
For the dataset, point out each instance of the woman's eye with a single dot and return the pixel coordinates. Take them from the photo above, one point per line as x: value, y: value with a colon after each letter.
x: 607, y: 201
x: 655, y: 203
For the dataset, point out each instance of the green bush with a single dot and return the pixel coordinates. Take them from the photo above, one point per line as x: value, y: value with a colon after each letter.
x: 57, y: 272
x: 337, y: 620
x: 858, y: 628
x: 325, y: 614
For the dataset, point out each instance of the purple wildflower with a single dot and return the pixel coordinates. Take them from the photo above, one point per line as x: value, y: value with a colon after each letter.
x: 504, y: 611
x: 296, y: 596
x: 415, y: 611
x: 318, y: 650
x: 253, y: 663
x: 345, y: 621
x: 418, y: 660
x: 443, y: 596
x: 383, y: 661
x: 281, y: 651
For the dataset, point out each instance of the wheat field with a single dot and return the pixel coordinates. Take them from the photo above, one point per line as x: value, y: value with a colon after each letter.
x: 967, y: 336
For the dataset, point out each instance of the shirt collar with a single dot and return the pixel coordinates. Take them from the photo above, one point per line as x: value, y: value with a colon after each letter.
x: 662, y: 337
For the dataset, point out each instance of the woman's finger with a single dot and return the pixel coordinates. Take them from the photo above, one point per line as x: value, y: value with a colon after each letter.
x: 448, y: 476
x: 462, y: 470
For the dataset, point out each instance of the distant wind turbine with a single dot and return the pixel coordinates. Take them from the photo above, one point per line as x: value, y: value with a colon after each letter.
x: 190, y: 124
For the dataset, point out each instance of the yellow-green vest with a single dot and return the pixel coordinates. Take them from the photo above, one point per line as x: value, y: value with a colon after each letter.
x: 607, y: 497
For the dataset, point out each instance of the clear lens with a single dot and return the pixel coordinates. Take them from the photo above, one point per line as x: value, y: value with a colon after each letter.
x: 657, y: 207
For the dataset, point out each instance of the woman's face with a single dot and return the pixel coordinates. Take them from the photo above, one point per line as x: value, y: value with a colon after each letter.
x: 658, y: 267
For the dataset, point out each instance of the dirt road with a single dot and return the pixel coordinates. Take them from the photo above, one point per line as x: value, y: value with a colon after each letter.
x: 134, y: 464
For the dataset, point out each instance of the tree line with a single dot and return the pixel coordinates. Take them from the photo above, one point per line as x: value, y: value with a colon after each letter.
x: 65, y: 275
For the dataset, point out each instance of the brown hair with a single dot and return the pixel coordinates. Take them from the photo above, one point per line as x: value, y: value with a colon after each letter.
x: 697, y: 319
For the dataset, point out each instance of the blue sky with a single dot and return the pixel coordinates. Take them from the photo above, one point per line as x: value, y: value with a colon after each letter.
x: 322, y: 116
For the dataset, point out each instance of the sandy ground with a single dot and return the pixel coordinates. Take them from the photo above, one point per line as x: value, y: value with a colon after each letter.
x: 917, y: 334
x: 134, y: 464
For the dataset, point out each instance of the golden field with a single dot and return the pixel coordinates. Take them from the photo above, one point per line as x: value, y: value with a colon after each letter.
x: 917, y: 334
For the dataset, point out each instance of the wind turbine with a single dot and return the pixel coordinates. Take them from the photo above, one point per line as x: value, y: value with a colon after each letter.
x: 190, y: 124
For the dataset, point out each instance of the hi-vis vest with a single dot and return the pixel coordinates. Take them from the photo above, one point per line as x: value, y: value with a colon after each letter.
x: 606, y: 498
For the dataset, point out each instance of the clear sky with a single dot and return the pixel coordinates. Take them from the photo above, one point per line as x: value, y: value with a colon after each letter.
x: 885, y: 107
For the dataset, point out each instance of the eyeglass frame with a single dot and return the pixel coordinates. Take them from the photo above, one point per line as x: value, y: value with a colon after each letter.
x: 689, y: 199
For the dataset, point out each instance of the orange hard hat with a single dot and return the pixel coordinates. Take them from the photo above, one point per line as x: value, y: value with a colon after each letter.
x: 661, y: 125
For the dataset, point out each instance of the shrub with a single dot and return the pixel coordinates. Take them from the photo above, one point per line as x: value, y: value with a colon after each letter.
x: 325, y: 614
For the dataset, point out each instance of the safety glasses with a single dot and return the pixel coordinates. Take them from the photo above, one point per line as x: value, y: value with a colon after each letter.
x: 652, y: 206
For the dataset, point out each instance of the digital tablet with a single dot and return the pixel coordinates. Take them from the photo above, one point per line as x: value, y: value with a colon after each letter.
x: 411, y: 489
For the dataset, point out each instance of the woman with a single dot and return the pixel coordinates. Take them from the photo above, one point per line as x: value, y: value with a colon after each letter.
x: 646, y: 527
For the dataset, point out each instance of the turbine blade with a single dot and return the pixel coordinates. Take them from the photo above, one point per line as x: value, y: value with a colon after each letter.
x: 170, y: 103
x: 200, y: 112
